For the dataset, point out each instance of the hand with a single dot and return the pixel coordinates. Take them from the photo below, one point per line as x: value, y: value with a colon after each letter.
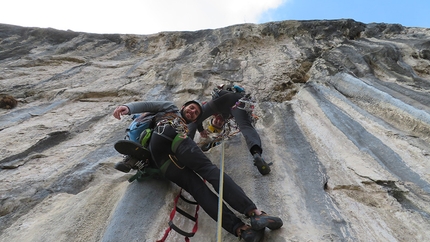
x: 119, y: 111
x: 204, y: 134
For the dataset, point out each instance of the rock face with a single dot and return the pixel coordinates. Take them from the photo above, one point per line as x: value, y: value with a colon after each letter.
x: 344, y: 113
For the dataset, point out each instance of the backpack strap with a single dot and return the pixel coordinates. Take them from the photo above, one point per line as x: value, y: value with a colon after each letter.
x: 144, y: 137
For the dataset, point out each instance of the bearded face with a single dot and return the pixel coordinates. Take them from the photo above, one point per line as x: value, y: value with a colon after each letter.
x: 191, y: 112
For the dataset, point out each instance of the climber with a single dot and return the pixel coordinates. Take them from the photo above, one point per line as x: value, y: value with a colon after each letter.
x: 213, y: 132
x: 216, y: 124
x: 230, y: 100
x: 188, y: 166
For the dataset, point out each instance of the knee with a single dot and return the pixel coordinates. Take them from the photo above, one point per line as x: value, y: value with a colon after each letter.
x: 256, y: 149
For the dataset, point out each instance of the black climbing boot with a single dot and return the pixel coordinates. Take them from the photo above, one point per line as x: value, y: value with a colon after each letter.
x: 262, y: 221
x: 126, y: 165
x: 251, y: 235
x: 262, y: 166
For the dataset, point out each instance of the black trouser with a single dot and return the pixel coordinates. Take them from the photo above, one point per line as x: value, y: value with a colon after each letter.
x: 191, y: 161
x: 243, y: 120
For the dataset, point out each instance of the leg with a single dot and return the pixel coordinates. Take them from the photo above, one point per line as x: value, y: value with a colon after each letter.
x: 225, y: 101
x: 190, y: 155
x: 194, y: 185
x: 252, y: 138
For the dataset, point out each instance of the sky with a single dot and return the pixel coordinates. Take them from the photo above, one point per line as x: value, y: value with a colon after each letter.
x: 152, y: 16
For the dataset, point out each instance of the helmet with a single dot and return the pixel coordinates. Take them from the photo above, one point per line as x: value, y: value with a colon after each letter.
x: 195, y: 102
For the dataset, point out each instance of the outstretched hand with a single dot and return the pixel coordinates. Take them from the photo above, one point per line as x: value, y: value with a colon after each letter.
x: 119, y: 111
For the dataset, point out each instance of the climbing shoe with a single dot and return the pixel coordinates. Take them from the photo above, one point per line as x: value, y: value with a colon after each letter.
x: 262, y: 166
x: 126, y: 165
x: 261, y: 221
x: 251, y: 235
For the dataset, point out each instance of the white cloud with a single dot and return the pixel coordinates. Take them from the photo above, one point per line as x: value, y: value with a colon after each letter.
x: 134, y: 16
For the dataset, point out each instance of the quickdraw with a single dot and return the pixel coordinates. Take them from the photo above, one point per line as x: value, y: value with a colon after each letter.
x: 176, y: 122
x: 141, y: 164
x: 245, y: 103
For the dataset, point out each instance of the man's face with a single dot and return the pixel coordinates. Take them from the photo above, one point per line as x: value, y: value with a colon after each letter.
x: 191, y: 112
x: 218, y: 122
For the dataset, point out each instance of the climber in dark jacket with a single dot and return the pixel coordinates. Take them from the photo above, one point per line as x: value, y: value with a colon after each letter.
x: 189, y: 165
x: 225, y: 100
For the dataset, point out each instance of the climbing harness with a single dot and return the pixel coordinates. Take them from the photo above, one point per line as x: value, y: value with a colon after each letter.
x: 172, y: 215
x: 177, y: 122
